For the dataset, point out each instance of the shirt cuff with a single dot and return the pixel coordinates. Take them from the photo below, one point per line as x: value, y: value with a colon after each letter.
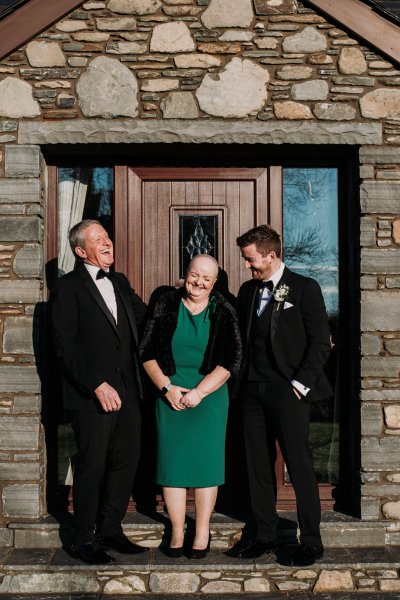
x: 300, y: 387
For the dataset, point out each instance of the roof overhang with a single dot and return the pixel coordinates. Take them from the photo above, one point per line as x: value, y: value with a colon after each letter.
x: 364, y: 23
x: 30, y: 19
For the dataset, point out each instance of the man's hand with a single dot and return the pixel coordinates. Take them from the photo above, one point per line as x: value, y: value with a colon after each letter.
x: 108, y: 397
x: 297, y: 392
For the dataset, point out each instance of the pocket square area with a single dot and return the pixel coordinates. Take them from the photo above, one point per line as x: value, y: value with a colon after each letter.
x: 287, y: 305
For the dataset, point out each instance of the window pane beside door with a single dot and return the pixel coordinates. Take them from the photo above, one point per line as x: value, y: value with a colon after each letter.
x: 310, y: 233
x: 83, y: 193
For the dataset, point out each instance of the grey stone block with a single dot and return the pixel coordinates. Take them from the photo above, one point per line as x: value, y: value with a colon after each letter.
x: 370, y: 344
x: 19, y: 471
x: 197, y: 130
x: 385, y: 490
x: 393, y: 346
x: 19, y: 379
x: 370, y: 509
x: 367, y: 231
x: 350, y: 537
x: 384, y: 366
x: 6, y: 538
x: 75, y: 583
x: 20, y: 229
x: 380, y: 395
x: 371, y: 419
x: 19, y: 190
x: 18, y: 335
x: 19, y: 433
x: 21, y: 501
x: 22, y: 161
x: 380, y: 311
x: 393, y: 282
x: 37, y: 538
x: 26, y: 404
x: 380, y: 197
x: 12, y: 209
x: 380, y: 155
x: 17, y: 291
x: 368, y: 283
x: 28, y: 261
x: 380, y: 454
x: 384, y: 261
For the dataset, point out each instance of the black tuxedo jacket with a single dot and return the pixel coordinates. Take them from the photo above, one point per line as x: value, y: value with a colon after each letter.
x: 300, y: 337
x: 86, y: 337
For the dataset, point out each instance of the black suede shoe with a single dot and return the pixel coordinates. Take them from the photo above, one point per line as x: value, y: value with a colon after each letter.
x: 197, y: 553
x: 307, y: 554
x: 122, y: 544
x: 91, y: 553
x: 172, y: 552
x: 257, y: 549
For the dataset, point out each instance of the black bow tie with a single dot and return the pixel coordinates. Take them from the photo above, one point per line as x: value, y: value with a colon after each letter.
x: 266, y: 284
x: 101, y: 274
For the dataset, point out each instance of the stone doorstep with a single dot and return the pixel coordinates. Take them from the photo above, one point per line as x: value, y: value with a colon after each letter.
x: 336, y: 529
x: 53, y: 571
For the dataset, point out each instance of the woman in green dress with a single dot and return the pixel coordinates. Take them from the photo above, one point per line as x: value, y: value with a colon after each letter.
x: 190, y: 348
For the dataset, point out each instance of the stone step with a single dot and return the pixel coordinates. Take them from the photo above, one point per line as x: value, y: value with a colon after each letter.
x: 336, y: 530
x: 53, y: 571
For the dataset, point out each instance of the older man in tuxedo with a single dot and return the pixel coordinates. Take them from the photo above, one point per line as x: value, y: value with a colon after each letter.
x: 95, y: 315
x: 286, y: 339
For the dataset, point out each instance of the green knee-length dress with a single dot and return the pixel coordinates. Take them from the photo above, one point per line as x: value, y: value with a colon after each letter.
x: 191, y: 442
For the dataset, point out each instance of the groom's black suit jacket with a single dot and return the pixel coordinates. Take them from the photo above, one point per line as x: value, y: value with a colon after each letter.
x: 300, y: 337
x: 86, y: 337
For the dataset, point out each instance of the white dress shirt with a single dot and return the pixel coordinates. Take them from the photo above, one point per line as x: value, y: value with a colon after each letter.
x: 105, y: 288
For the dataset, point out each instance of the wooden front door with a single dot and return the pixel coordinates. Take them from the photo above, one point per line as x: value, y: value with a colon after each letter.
x: 154, y: 204
x: 157, y: 211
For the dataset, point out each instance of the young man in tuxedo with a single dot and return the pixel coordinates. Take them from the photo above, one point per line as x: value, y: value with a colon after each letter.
x: 287, y: 342
x: 95, y: 315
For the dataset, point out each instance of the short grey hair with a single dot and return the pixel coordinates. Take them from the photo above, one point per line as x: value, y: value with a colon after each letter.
x: 76, y: 233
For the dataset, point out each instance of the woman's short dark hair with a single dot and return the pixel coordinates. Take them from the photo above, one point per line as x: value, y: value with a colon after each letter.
x: 265, y: 238
x: 75, y: 235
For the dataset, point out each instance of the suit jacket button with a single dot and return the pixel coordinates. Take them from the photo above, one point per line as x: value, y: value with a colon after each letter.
x: 118, y: 369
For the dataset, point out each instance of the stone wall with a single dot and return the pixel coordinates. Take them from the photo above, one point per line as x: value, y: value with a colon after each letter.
x: 21, y: 273
x: 265, y: 70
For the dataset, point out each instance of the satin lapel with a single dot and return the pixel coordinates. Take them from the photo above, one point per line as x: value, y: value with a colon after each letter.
x: 249, y: 314
x: 128, y: 307
x: 97, y: 297
x: 275, y: 312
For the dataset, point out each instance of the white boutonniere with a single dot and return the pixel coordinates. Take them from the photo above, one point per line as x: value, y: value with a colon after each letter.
x: 281, y: 294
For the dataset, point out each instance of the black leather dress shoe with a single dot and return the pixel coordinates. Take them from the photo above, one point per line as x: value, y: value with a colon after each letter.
x: 257, y: 549
x: 91, y: 553
x: 307, y: 554
x: 122, y: 544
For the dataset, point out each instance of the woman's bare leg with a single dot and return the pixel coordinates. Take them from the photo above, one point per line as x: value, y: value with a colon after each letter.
x: 204, y: 500
x: 175, y: 499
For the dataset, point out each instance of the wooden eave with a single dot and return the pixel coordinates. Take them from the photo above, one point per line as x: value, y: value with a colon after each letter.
x: 27, y: 21
x: 364, y: 23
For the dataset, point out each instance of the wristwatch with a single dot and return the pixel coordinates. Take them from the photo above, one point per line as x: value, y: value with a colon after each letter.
x: 166, y: 388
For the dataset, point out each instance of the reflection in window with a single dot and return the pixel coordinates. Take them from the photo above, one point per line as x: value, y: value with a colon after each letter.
x: 83, y: 193
x: 310, y: 234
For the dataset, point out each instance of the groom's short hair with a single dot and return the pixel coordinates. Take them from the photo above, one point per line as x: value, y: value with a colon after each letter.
x: 265, y: 238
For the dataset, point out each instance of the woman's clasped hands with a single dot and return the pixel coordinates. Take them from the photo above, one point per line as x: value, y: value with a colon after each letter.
x: 181, y: 398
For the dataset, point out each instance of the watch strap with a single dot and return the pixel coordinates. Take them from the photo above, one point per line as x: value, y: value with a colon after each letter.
x: 165, y: 389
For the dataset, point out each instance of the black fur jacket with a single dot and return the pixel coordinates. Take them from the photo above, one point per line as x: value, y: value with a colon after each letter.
x: 224, y: 346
